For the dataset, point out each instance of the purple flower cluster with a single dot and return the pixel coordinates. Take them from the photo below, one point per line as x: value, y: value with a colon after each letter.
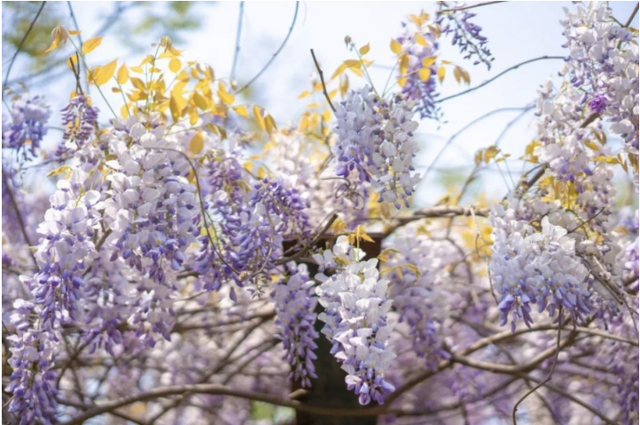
x: 423, y: 93
x: 603, y: 64
x: 376, y: 146
x: 530, y: 267
x: 251, y: 219
x: 67, y: 247
x: 79, y: 119
x: 152, y: 213
x: 33, y: 380
x: 29, y: 116
x: 295, y: 304
x: 466, y: 34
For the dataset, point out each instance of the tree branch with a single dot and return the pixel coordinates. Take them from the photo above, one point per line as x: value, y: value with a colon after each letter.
x: 15, y: 55
x: 498, y: 76
x: 284, y: 42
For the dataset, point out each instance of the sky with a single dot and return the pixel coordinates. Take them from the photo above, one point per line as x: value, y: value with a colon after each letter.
x: 517, y: 31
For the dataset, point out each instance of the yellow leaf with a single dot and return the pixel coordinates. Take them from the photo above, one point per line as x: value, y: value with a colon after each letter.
x: 457, y: 74
x: 200, y: 101
x: 361, y: 234
x: 384, y: 255
x: 104, y: 73
x: 261, y: 173
x: 176, y: 104
x: 402, y: 81
x: 197, y: 143
x: 420, y: 40
x: 356, y: 71
x: 270, y: 124
x: 124, y: 111
x: 54, y: 45
x: 174, y: 65
x: 465, y: 76
x: 396, y: 47
x: 74, y: 32
x: 225, y: 96
x: 90, y: 45
x: 123, y: 74
x: 59, y: 171
x: 138, y: 83
x: 441, y: 72
x: 304, y: 94
x: 338, y: 226
x: 241, y: 110
x: 257, y: 113
x: 425, y: 74
x: 364, y: 49
x: 427, y: 62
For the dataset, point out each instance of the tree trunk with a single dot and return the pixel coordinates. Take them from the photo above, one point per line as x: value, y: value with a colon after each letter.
x: 329, y: 389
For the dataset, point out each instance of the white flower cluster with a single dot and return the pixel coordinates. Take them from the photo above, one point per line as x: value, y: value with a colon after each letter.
x: 356, y: 307
x: 422, y: 296
x: 603, y: 64
x: 375, y: 144
x: 535, y: 266
x: 67, y: 247
x: 292, y: 157
x: 152, y: 214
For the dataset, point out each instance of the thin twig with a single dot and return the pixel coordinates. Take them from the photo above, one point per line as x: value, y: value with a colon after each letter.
x: 633, y: 15
x: 75, y: 23
x: 462, y: 130
x: 548, y: 378
x: 498, y: 76
x: 473, y: 6
x: 236, y: 52
x: 284, y: 42
x: 23, y: 228
x: 324, y: 87
x: 13, y: 59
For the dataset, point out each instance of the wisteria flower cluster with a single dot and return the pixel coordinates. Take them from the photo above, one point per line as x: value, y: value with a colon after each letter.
x: 466, y: 35
x: 80, y: 119
x: 295, y: 308
x: 603, y: 64
x: 356, y: 307
x: 530, y: 267
x: 375, y: 145
x: 421, y: 47
x: 26, y: 128
x: 420, y: 266
x: 191, y: 253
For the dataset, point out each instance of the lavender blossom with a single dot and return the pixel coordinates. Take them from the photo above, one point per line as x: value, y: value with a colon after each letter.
x: 466, y: 34
x: 29, y: 116
x: 295, y: 305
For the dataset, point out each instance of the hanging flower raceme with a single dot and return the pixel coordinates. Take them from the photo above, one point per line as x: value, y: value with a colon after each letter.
x: 295, y: 317
x: 421, y: 49
x: 152, y: 214
x: 530, y: 266
x: 251, y: 218
x: 356, y: 307
x: 79, y: 118
x: 418, y: 290
x: 27, y: 127
x: 375, y: 145
x: 33, y: 378
x: 466, y: 34
x: 603, y: 64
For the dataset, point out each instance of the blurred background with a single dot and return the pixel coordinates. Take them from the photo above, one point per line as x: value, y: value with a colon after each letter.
x: 207, y: 32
